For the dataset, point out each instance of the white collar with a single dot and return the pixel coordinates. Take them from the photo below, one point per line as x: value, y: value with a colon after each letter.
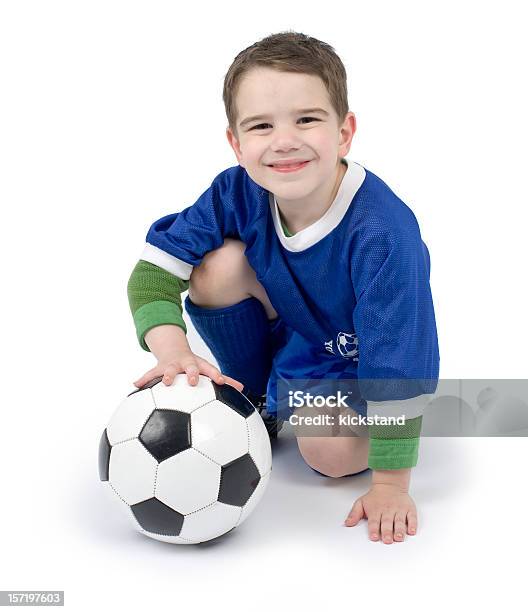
x: 307, y: 237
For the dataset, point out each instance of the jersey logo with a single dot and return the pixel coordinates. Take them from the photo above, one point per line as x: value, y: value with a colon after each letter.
x: 329, y: 347
x: 347, y: 345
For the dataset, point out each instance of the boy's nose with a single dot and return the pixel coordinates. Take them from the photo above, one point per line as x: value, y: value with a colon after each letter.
x: 284, y: 143
x: 285, y: 139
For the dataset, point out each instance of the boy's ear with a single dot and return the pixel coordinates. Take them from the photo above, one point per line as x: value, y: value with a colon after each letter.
x: 346, y: 133
x: 235, y: 145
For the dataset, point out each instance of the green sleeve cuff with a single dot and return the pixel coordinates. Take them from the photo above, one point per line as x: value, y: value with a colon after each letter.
x: 156, y: 313
x: 394, y: 447
x: 395, y: 454
x: 154, y: 296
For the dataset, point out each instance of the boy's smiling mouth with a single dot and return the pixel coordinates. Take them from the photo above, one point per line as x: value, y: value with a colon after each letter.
x: 289, y: 166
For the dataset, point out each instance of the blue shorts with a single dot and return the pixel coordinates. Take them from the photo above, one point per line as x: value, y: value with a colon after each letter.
x: 294, y: 358
x: 296, y: 363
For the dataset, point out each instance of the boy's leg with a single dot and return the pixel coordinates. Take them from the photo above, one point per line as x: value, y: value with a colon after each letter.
x: 333, y: 451
x: 335, y: 457
x: 225, y: 278
x: 232, y: 313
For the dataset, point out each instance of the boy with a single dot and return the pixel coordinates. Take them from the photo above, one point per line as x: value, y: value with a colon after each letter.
x: 289, y: 254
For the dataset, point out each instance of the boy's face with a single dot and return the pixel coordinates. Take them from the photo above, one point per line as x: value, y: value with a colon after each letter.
x: 286, y: 131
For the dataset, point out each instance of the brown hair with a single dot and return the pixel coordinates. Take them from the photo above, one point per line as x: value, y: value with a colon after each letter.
x: 289, y: 52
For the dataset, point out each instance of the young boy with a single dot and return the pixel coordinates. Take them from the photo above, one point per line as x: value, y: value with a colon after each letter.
x: 289, y: 256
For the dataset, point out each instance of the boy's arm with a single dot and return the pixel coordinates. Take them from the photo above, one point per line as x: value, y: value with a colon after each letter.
x: 175, y: 244
x: 154, y: 297
x: 394, y: 447
x: 398, y: 346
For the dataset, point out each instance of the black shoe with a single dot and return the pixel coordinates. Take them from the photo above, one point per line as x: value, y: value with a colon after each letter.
x: 272, y: 423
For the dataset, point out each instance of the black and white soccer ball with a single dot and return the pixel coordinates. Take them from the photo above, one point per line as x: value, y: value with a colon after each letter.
x: 347, y: 345
x: 185, y: 464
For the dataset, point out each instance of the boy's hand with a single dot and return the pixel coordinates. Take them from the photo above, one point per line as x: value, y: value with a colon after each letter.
x: 389, y: 506
x: 190, y: 364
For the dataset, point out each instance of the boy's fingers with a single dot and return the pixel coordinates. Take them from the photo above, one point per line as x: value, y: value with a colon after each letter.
x: 141, y: 383
x: 190, y: 367
x: 209, y: 370
x: 356, y: 514
x: 234, y: 383
x: 147, y: 377
x: 399, y: 527
x: 150, y: 373
x: 170, y: 373
x: 412, y: 523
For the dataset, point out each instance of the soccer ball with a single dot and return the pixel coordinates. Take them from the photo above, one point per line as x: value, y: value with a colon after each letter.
x: 185, y: 464
x: 347, y: 345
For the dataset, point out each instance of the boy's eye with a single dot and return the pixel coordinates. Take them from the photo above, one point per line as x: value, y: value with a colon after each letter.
x: 262, y: 125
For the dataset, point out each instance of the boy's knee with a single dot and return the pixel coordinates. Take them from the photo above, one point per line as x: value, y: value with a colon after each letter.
x: 335, y: 457
x: 222, y: 277
x: 227, y: 259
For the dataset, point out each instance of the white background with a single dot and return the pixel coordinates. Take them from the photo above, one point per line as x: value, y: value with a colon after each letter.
x: 111, y: 116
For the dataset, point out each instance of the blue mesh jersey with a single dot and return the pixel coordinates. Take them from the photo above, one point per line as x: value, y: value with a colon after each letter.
x: 352, y: 288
